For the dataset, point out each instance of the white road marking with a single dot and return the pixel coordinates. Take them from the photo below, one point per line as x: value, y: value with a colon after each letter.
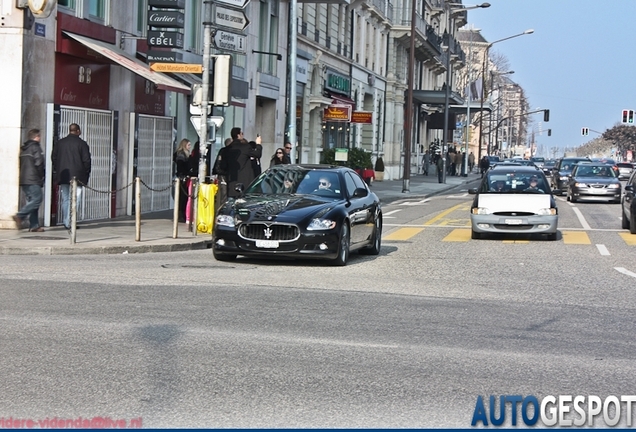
x: 625, y: 271
x: 602, y: 249
x: 581, y: 218
x: 391, y: 212
x: 411, y: 203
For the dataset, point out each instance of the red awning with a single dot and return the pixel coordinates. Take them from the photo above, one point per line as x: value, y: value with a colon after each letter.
x: 343, y: 100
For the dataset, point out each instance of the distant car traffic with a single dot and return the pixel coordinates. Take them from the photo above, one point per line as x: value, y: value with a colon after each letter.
x: 514, y: 199
x: 547, y: 167
x: 593, y: 181
x: 624, y: 170
x: 628, y: 205
x: 300, y: 211
x: 538, y: 161
x: 561, y: 172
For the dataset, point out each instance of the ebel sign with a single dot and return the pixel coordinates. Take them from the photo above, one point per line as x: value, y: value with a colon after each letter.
x: 165, y: 39
x: 170, y: 4
x: 164, y: 18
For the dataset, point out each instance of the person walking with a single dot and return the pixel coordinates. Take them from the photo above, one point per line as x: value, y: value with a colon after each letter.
x: 426, y: 161
x: 237, y: 162
x: 71, y: 157
x: 471, y: 162
x: 221, y: 194
x: 440, y: 169
x: 484, y: 164
x: 181, y: 158
x: 31, y: 181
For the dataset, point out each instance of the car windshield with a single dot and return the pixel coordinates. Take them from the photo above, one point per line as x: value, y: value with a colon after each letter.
x: 595, y: 171
x: 297, y: 180
x: 515, y: 182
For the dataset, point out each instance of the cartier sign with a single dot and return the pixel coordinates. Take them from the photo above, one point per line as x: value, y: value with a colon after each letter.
x: 162, y: 18
x: 170, y: 4
x: 165, y: 39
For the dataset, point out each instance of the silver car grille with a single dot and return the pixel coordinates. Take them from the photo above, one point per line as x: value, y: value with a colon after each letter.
x: 268, y: 231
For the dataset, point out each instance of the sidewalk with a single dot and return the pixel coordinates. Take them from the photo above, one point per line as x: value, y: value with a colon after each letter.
x: 117, y: 236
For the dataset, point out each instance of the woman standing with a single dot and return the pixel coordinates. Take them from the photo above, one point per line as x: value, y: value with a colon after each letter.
x: 278, y: 158
x: 181, y: 158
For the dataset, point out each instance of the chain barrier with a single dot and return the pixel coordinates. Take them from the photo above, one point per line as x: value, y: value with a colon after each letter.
x: 80, y: 183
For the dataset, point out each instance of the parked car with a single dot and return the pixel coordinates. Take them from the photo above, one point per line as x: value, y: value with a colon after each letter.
x: 300, y: 211
x: 514, y: 199
x: 593, y: 181
x: 628, y: 205
x: 561, y: 172
x: 624, y: 170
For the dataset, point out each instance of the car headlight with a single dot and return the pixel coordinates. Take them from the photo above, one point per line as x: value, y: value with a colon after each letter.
x: 480, y: 211
x: 547, y: 212
x: 321, y: 224
x: 563, y: 178
x: 614, y: 186
x: 225, y: 220
x: 580, y: 184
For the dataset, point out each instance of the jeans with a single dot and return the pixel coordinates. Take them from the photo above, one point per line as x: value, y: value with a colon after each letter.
x: 65, y: 193
x: 33, y: 195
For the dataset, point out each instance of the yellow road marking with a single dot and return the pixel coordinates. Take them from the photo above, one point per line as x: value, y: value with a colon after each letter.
x: 575, y: 237
x: 458, y: 235
x: 444, y: 214
x: 516, y: 241
x: 403, y: 234
x: 630, y: 239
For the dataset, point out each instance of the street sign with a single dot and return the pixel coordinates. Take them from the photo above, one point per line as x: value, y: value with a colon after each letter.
x: 231, y: 18
x: 195, y: 110
x: 235, y: 3
x: 164, y: 19
x: 230, y: 41
x: 213, y: 122
x: 177, y: 67
x: 168, y: 39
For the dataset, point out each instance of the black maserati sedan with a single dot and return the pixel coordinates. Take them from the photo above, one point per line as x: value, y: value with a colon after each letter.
x: 300, y: 211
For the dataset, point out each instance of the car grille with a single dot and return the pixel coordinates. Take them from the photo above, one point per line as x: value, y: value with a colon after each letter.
x: 513, y: 227
x: 597, y: 186
x: 514, y: 213
x: 263, y: 231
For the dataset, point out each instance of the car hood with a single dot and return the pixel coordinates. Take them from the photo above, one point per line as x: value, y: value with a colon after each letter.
x: 514, y: 202
x: 282, y: 208
x: 596, y: 180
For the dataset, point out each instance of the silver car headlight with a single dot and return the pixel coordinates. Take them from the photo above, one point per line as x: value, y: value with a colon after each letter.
x: 480, y: 211
x: 321, y: 224
x: 563, y: 178
x: 614, y: 186
x: 547, y: 212
x: 225, y: 220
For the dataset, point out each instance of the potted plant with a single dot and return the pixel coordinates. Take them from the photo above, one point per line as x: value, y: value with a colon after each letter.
x: 379, y: 169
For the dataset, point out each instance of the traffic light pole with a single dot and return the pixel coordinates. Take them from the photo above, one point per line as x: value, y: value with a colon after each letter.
x: 205, y: 88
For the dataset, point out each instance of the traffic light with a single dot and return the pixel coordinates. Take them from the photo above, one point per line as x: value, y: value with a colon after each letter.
x: 549, y: 132
x: 585, y: 131
x: 625, y: 115
x: 630, y: 117
x: 546, y: 115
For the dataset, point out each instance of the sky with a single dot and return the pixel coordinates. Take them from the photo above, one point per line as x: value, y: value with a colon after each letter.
x: 580, y: 62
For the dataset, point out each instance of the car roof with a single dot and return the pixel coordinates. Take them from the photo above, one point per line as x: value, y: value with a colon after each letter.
x: 517, y: 168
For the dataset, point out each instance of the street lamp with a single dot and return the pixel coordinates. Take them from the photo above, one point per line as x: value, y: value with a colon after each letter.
x: 483, y: 78
x: 492, y: 89
x: 449, y: 13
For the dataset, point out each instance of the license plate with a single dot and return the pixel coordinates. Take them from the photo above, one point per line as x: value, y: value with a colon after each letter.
x: 269, y: 244
x: 513, y: 221
x: 597, y: 191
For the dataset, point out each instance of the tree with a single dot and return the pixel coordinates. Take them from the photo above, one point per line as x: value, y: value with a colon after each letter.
x: 622, y: 136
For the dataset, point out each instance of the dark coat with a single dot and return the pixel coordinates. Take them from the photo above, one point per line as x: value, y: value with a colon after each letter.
x: 31, y: 164
x: 237, y: 164
x: 256, y: 159
x: 217, y: 170
x: 71, y: 157
x: 182, y: 161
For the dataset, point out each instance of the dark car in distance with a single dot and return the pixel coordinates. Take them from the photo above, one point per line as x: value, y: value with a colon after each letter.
x: 628, y: 205
x: 300, y: 211
x: 561, y: 172
x: 624, y: 170
x: 593, y: 181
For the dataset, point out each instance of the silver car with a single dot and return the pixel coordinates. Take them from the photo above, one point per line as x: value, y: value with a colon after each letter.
x: 624, y: 170
x: 514, y: 200
x: 594, y: 181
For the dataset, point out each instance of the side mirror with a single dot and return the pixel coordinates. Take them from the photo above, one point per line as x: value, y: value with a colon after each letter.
x: 472, y: 191
x: 629, y: 188
x: 360, y: 193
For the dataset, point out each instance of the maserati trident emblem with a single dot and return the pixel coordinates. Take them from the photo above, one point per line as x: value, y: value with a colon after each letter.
x: 268, y: 232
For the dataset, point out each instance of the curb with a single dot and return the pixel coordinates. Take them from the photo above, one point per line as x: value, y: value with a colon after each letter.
x: 106, y: 250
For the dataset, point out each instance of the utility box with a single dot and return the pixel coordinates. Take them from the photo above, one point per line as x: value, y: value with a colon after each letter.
x: 221, y: 80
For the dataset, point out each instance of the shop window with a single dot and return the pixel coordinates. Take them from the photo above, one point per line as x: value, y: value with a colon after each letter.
x: 94, y: 10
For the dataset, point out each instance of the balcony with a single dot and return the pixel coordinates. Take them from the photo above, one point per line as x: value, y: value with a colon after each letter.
x: 382, y: 9
x: 427, y: 42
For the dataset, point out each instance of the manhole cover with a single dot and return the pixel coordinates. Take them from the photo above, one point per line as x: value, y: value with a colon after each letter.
x: 44, y: 238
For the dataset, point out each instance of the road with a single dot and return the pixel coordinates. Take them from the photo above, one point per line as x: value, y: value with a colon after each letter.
x: 409, y: 338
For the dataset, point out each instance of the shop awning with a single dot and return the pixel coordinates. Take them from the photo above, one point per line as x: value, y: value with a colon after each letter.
x: 342, y: 100
x: 126, y: 60
x: 436, y: 97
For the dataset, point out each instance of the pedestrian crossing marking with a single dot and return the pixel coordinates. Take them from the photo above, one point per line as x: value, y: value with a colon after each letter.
x: 403, y: 234
x: 444, y: 214
x: 575, y: 237
x: 458, y: 235
x: 630, y: 239
x: 516, y: 241
x: 455, y: 222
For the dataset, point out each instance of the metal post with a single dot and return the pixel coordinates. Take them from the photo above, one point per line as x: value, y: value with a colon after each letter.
x: 73, y: 221
x: 291, y: 96
x: 175, y: 215
x: 481, y: 104
x: 137, y: 209
x: 446, y: 93
x: 408, y: 116
x: 195, y: 207
x: 205, y: 87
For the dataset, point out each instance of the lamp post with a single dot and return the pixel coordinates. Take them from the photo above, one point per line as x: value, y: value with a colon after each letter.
x: 449, y: 13
x: 492, y: 89
x: 483, y: 78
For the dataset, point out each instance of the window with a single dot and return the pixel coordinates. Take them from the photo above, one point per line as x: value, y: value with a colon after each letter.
x: 94, y: 10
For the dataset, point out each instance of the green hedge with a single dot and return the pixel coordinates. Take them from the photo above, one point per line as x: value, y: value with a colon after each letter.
x: 357, y: 158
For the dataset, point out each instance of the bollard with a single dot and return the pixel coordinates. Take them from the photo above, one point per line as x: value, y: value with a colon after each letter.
x: 175, y: 216
x: 137, y: 209
x: 73, y: 221
x: 195, y: 207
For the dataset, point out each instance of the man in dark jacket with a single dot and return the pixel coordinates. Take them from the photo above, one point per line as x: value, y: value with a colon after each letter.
x: 31, y: 180
x: 71, y: 158
x: 237, y: 162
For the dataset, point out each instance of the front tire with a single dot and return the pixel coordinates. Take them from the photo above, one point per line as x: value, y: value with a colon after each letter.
x: 624, y: 221
x: 632, y: 223
x: 343, y: 249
